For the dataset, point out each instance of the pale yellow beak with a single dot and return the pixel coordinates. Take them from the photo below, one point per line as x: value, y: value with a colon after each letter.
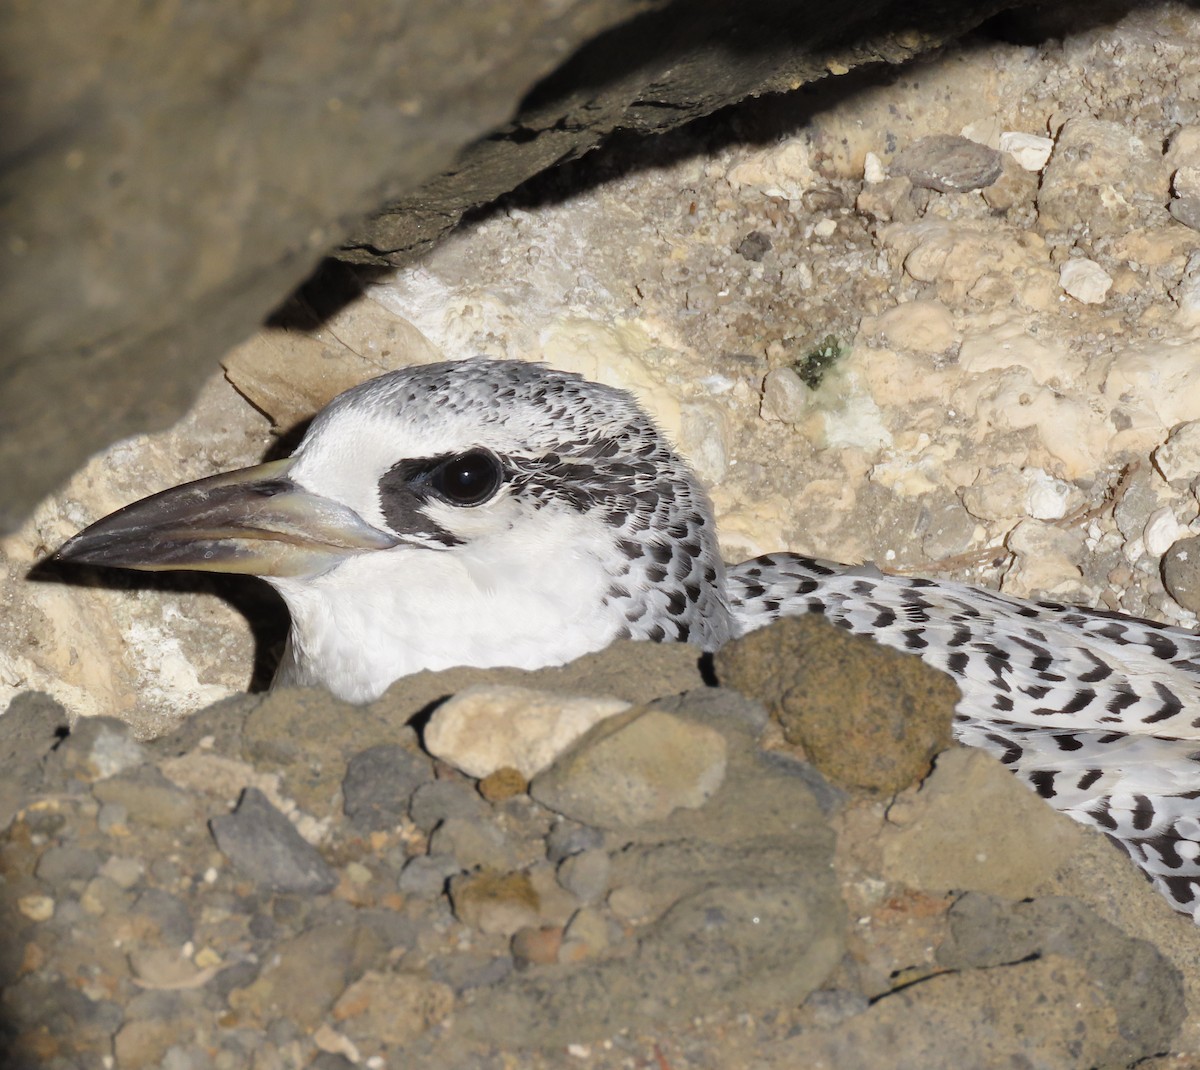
x: 254, y: 520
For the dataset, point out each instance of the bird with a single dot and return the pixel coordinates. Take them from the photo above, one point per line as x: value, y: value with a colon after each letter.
x: 502, y: 513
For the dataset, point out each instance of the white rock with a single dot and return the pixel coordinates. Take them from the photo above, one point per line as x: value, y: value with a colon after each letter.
x: 483, y: 729
x: 825, y: 228
x: 1186, y: 182
x: 1046, y: 498
x: 1085, y: 280
x: 1029, y: 150
x: 1179, y: 457
x: 873, y: 170
x: 785, y: 396
x: 1162, y: 531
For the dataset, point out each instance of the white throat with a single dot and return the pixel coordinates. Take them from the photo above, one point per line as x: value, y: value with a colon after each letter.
x: 527, y: 596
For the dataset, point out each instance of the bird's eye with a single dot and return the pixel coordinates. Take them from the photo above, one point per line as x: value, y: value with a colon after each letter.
x: 471, y: 478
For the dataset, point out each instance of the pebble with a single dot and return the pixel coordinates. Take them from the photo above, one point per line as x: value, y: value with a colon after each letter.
x: 434, y: 803
x: 566, y: 838
x: 888, y: 200
x: 36, y: 907
x: 867, y: 716
x: 484, y: 729
x: 472, y: 844
x: 1031, y: 151
x: 754, y: 246
x: 265, y: 847
x: 536, y: 946
x: 1162, y: 531
x: 1179, y: 457
x: 1181, y: 572
x: 425, y: 876
x: 585, y: 875
x: 498, y: 903
x: 380, y: 782
x: 587, y: 935
x: 392, y: 1008
x: 1085, y: 280
x: 785, y: 396
x: 948, y: 164
x: 1186, y: 210
x: 639, y: 768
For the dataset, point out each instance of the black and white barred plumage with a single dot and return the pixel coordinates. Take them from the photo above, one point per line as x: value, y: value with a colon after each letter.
x: 500, y: 513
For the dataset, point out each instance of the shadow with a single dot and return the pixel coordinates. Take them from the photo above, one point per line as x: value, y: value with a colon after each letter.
x: 332, y: 286
x: 256, y: 601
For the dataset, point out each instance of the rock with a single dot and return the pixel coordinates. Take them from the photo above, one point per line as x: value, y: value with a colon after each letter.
x: 304, y: 976
x: 1085, y: 280
x: 425, y: 876
x: 394, y: 1008
x: 1031, y: 151
x: 444, y: 799
x: 67, y: 862
x: 148, y: 799
x: 754, y: 246
x: 567, y: 838
x: 536, y: 946
x: 1181, y: 572
x: 972, y: 825
x: 482, y: 730
x: 498, y: 903
x: 1100, y: 177
x: 506, y: 783
x: 587, y: 935
x: 1178, y: 459
x: 948, y: 164
x: 1186, y: 210
x: 635, y: 768
x: 1162, y: 531
x: 379, y: 784
x: 924, y: 326
x: 887, y: 200
x: 265, y: 847
x: 472, y: 844
x: 585, y: 875
x: 867, y: 716
x: 785, y: 397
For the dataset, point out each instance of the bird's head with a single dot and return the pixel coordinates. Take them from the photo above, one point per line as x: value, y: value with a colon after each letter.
x: 435, y: 460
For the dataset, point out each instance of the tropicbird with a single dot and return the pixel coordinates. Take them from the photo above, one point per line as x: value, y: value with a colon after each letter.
x: 492, y: 513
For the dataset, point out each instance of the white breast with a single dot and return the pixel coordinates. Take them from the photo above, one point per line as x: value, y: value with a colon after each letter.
x: 525, y: 597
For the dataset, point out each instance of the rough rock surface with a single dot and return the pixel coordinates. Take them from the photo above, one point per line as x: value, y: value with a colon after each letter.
x: 774, y: 922
x: 168, y: 179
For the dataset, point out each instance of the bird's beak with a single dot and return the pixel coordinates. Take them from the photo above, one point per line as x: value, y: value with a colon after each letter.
x: 255, y: 520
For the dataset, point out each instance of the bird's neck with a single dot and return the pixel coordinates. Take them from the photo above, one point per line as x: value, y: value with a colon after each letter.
x: 500, y: 601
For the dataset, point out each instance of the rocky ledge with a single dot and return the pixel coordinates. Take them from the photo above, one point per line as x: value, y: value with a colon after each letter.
x: 639, y: 867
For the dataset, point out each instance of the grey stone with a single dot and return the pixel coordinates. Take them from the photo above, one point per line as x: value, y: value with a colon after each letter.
x: 67, y: 862
x: 948, y: 164
x: 585, y: 875
x: 379, y: 784
x: 1181, y: 572
x: 265, y: 846
x: 168, y: 913
x: 472, y: 844
x: 464, y: 972
x: 149, y: 799
x: 434, y: 803
x: 426, y: 875
x: 567, y: 838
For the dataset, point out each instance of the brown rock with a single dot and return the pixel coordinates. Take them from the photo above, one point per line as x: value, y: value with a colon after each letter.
x: 506, y: 783
x: 867, y: 716
x: 394, y: 1008
x: 495, y: 902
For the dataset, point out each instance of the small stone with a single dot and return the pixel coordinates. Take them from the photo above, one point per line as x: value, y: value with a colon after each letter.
x: 166, y: 969
x: 394, y: 1008
x: 67, y: 862
x: 785, y: 396
x: 425, y: 876
x: 536, y: 946
x: 265, y: 847
x: 149, y: 799
x: 1186, y: 182
x: 1178, y: 459
x: 888, y: 200
x: 1085, y: 280
x: 948, y: 164
x: 754, y: 246
x: 1031, y: 151
x: 587, y: 935
x: 567, y: 838
x: 36, y: 907
x: 483, y: 729
x: 873, y: 170
x: 825, y: 228
x: 868, y: 717
x: 639, y: 767
x: 585, y: 875
x: 506, y: 783
x: 113, y: 819
x: 1181, y: 572
x: 434, y: 803
x: 166, y: 913
x: 472, y: 844
x: 498, y: 903
x: 143, y: 1042
x: 1186, y: 210
x: 379, y: 784
x: 1162, y: 531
